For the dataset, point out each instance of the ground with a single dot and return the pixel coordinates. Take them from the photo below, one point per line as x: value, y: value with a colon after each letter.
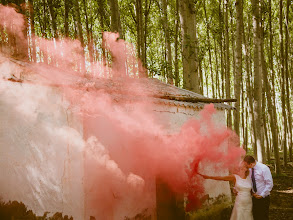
x: 282, y: 195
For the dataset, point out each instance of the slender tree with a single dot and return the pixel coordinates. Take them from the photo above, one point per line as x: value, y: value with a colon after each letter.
x: 209, y: 47
x: 78, y: 22
x: 189, y: 45
x: 227, y: 59
x: 53, y: 18
x: 257, y: 82
x: 140, y: 34
x: 79, y: 28
x: 102, y: 18
x: 115, y: 17
x: 33, y: 48
x: 283, y: 81
x: 167, y: 42
x: 88, y: 31
x: 221, y: 40
x: 176, y: 44
x: 287, y: 77
x: 272, y: 119
x: 272, y: 106
x: 238, y: 75
x: 66, y: 14
x: 147, y: 9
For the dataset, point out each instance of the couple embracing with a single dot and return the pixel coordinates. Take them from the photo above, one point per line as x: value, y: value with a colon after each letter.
x: 253, y: 185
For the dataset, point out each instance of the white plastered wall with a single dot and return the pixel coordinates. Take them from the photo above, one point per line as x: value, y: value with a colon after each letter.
x: 177, y: 116
x: 41, y: 148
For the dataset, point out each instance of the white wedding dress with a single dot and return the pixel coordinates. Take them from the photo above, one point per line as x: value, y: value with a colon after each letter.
x: 243, y: 203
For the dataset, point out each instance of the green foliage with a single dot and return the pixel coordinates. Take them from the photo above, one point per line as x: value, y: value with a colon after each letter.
x: 144, y: 215
x: 215, y: 208
x: 18, y: 211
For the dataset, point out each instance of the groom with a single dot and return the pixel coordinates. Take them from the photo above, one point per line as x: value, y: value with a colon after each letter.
x: 262, y: 184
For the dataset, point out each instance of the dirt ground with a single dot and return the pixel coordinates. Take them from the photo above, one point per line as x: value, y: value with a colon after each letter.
x: 282, y: 195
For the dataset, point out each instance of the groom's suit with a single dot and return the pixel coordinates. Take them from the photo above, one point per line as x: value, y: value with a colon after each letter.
x: 262, y: 183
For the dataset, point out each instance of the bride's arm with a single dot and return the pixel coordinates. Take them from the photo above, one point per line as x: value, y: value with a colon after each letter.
x: 224, y: 178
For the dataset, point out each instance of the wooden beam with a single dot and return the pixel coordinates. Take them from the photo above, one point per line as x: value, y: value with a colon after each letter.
x: 193, y: 99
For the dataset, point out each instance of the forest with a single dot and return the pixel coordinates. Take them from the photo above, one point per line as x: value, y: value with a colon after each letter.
x: 222, y: 49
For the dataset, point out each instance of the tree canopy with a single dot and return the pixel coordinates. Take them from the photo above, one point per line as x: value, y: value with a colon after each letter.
x: 221, y: 49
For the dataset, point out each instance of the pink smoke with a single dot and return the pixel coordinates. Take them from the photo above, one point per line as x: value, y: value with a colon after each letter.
x: 12, y: 21
x: 126, y: 141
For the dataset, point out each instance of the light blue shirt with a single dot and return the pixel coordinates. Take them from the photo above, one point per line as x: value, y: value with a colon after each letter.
x: 263, y: 179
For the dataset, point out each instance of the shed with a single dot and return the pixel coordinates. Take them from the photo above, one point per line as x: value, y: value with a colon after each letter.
x: 41, y: 164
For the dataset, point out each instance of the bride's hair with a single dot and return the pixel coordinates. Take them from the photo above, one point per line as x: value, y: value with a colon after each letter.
x: 247, y: 172
x: 242, y: 164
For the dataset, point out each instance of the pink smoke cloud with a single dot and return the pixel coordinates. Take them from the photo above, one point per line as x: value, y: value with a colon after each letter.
x: 127, y: 145
x: 11, y: 20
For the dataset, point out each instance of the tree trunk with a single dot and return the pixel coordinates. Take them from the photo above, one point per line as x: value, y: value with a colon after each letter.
x: 218, y: 89
x: 32, y: 34
x: 227, y: 63
x: 271, y: 55
x: 271, y: 98
x: 139, y: 26
x: 222, y: 57
x: 140, y: 36
x: 289, y: 139
x: 66, y: 11
x: 167, y: 42
x: 88, y: 32
x: 200, y: 73
x: 189, y: 45
x: 53, y: 18
x: 176, y: 65
x: 115, y: 17
x: 283, y: 81
x: 148, y: 5
x: 206, y: 77
x: 238, y: 75
x: 209, y: 49
x: 262, y: 63
x: 79, y: 23
x: 80, y: 33
x: 272, y: 123
x: 264, y: 116
x: 44, y: 29
x: 257, y: 82
x: 102, y: 23
x: 248, y: 84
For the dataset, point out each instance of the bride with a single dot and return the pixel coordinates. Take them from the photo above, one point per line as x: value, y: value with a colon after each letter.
x: 243, y: 203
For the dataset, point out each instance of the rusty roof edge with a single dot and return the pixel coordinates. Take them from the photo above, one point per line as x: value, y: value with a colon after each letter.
x: 198, y: 105
x: 198, y: 98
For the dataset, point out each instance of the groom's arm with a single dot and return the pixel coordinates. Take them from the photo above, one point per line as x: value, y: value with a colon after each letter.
x: 268, y: 180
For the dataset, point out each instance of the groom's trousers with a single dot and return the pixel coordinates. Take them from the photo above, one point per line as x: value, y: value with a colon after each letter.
x: 260, y: 208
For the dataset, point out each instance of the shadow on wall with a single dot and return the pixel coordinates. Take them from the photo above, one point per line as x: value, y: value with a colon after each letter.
x: 17, y: 210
